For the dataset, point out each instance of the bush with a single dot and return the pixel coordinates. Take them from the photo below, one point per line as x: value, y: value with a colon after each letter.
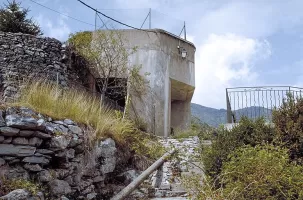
x: 262, y: 172
x: 248, y: 132
x: 288, y: 120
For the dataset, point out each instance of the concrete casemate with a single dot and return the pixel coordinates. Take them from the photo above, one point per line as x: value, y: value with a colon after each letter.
x: 170, y: 62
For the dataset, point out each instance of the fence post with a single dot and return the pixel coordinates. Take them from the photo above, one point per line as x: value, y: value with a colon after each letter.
x: 228, y: 113
x: 150, y: 18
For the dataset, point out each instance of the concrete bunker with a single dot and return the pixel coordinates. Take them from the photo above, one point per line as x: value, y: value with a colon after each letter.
x: 170, y: 61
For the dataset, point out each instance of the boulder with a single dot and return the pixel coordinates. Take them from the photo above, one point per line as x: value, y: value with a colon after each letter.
x: 14, y: 161
x: 16, y: 150
x: 108, y: 165
x: 19, y: 194
x: 35, y: 141
x: 7, y: 140
x: 75, y: 141
x: 27, y: 122
x: 42, y: 135
x: 20, y: 141
x: 2, y: 162
x: 1, y: 138
x: 33, y: 168
x: 68, y: 122
x: 26, y: 133
x: 91, y: 196
x: 9, y: 158
x: 9, y: 131
x: 2, y: 121
x: 59, y: 187
x: 16, y: 173
x: 59, y: 122
x: 75, y: 129
x: 45, y: 151
x: 44, y: 176
x: 36, y: 160
x: 68, y: 154
x: 59, y: 142
x: 107, y: 150
x: 63, y: 129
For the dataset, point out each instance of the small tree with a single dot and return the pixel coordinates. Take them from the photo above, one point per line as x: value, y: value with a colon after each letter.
x: 107, y: 55
x: 13, y: 19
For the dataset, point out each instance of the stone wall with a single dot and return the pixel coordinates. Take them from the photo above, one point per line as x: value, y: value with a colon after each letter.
x: 24, y: 57
x: 55, y: 154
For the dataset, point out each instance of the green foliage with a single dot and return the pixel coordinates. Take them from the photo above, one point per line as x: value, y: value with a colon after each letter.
x: 80, y: 40
x: 262, y: 172
x: 140, y: 124
x: 288, y: 121
x: 248, y: 132
x: 7, y: 186
x: 144, y: 144
x: 107, y: 54
x: 14, y: 19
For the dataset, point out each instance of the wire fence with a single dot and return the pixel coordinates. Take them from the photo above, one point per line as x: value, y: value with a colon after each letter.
x: 255, y: 102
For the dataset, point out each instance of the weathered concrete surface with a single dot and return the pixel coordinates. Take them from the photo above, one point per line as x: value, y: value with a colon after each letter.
x: 171, y: 83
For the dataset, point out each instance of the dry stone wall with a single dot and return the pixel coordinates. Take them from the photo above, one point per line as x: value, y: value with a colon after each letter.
x: 24, y: 57
x: 54, y: 154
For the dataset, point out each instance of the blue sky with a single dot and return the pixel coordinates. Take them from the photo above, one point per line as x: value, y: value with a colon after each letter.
x: 239, y: 42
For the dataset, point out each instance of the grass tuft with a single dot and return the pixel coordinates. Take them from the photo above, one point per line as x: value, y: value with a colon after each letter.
x: 58, y: 103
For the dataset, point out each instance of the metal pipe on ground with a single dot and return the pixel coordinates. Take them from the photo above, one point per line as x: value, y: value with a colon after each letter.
x: 133, y: 185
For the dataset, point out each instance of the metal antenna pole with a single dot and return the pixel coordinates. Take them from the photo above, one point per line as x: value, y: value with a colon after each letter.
x: 150, y: 18
x: 184, y: 31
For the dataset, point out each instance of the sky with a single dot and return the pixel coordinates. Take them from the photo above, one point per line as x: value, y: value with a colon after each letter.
x: 238, y: 42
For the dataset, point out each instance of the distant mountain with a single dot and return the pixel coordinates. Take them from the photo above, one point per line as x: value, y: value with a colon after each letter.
x: 215, y: 117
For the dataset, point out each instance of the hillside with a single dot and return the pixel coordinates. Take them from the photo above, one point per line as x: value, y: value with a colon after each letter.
x: 215, y: 117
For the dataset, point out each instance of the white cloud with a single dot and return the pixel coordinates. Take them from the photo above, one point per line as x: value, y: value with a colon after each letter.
x: 58, y: 29
x: 223, y: 59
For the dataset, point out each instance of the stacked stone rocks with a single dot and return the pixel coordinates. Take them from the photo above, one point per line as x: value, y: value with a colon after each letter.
x: 24, y: 57
x: 166, y: 182
x: 53, y: 153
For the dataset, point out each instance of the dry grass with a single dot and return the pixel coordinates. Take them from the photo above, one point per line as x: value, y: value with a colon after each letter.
x: 81, y: 107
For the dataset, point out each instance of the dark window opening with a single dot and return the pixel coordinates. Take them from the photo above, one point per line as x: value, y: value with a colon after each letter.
x: 116, y: 90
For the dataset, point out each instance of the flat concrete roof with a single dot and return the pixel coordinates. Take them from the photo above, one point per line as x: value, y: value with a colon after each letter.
x: 156, y: 30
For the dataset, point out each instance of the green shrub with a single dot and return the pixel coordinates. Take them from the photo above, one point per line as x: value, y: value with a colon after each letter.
x: 262, y: 172
x: 288, y: 120
x: 248, y: 132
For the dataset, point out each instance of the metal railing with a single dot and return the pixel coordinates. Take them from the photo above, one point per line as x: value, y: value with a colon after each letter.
x: 255, y: 102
